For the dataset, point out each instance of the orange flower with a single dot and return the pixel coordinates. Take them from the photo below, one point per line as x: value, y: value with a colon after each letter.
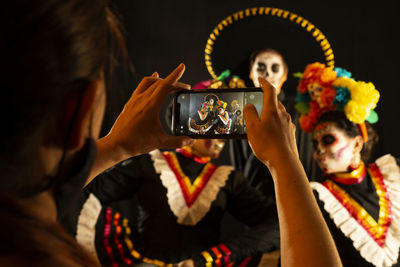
x: 316, y: 73
x: 307, y: 122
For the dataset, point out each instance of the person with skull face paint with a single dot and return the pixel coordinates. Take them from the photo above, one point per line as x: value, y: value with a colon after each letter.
x: 179, y: 198
x: 224, y: 122
x: 360, y: 201
x: 269, y: 64
x: 201, y: 121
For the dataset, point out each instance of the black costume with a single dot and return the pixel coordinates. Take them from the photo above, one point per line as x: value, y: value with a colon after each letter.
x: 200, y: 122
x: 364, y: 217
x: 256, y: 172
x: 158, y: 225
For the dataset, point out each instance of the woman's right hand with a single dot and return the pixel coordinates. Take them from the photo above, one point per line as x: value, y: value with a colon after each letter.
x: 271, y: 135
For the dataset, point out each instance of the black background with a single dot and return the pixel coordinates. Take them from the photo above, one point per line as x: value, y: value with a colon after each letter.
x: 364, y: 37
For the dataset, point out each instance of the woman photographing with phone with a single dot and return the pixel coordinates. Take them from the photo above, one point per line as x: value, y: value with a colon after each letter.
x: 55, y: 57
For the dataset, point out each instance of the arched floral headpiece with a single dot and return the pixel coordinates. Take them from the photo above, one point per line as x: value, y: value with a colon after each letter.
x: 323, y: 89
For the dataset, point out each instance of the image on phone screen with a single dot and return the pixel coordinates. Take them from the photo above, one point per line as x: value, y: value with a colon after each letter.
x: 214, y: 113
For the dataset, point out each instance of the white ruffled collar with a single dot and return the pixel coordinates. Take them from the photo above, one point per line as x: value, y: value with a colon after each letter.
x: 189, y: 214
x: 370, y: 250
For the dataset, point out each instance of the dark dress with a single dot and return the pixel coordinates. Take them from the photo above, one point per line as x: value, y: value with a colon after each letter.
x: 371, y: 238
x: 242, y: 158
x: 141, y: 215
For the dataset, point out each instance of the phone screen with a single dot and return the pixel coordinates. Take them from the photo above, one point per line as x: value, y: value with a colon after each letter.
x: 214, y: 113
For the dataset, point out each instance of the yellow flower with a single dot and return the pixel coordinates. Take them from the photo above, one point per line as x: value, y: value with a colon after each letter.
x: 344, y: 82
x: 355, y: 112
x: 365, y: 94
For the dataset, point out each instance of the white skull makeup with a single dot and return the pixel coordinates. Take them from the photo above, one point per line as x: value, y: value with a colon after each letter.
x: 208, y: 147
x: 315, y: 90
x: 270, y: 66
x: 334, y: 150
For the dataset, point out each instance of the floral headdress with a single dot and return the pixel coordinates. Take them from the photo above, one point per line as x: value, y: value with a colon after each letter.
x: 322, y: 89
x: 221, y: 104
x: 225, y: 80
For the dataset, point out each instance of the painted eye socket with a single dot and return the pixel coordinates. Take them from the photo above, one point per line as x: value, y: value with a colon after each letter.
x: 315, y: 144
x: 275, y: 67
x: 328, y: 139
x: 261, y: 67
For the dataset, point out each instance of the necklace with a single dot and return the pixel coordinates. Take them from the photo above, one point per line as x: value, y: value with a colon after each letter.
x: 356, y: 176
x: 187, y: 152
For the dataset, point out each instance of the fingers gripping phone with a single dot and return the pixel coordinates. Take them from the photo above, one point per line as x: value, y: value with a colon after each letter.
x: 213, y: 113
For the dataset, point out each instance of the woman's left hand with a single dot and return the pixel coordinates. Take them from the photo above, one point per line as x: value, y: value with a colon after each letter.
x: 138, y: 129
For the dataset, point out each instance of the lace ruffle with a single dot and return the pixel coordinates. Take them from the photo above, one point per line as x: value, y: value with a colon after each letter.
x: 379, y: 256
x: 193, y: 214
x: 86, y: 227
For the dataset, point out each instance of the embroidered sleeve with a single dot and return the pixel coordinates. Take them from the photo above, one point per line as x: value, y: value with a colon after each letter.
x: 218, y: 256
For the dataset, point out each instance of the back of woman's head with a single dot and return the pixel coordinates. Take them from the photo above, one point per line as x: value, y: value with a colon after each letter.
x: 352, y: 130
x: 49, y: 49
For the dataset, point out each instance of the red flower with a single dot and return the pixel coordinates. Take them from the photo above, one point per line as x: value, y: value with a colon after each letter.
x: 307, y: 122
x: 327, y: 96
x: 202, y: 85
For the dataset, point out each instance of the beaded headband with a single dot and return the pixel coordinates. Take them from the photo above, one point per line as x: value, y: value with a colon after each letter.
x: 281, y: 16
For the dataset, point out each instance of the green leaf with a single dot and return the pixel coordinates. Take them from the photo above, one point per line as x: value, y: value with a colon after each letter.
x: 302, y: 107
x: 373, y: 117
x: 298, y: 75
x: 225, y: 74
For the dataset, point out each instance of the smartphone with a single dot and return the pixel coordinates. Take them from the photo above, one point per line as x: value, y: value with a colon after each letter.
x: 213, y: 113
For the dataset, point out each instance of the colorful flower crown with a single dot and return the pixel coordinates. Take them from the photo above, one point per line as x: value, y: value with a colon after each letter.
x: 221, y: 104
x: 323, y: 89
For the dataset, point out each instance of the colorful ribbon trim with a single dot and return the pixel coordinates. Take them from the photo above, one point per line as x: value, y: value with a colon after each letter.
x: 245, y: 262
x: 190, y: 191
x: 127, y: 231
x: 107, y: 233
x: 354, y: 177
x: 218, y: 256
x: 187, y: 152
x: 208, y: 258
x: 227, y: 253
x: 377, y: 230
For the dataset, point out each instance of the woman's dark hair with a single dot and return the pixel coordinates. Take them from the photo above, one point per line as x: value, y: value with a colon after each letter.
x: 50, y: 49
x: 267, y: 50
x: 352, y: 130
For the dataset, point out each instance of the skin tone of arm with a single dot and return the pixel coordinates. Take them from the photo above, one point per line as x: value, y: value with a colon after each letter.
x: 137, y: 129
x: 305, y: 237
